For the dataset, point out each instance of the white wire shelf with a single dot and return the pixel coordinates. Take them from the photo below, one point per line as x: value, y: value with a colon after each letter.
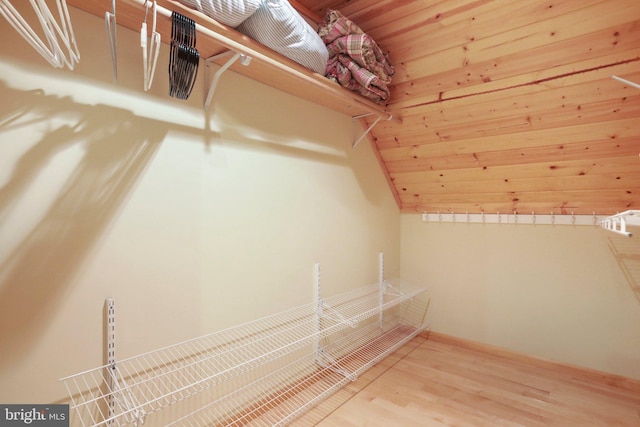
x: 618, y: 223
x: 126, y: 391
x: 285, y: 394
x: 353, y: 307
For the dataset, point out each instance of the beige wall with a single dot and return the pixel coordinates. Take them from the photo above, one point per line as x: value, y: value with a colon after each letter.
x: 558, y: 292
x: 192, y: 223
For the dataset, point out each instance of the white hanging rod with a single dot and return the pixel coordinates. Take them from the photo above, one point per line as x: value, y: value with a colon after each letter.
x: 512, y: 218
x: 620, y: 79
x: 618, y: 223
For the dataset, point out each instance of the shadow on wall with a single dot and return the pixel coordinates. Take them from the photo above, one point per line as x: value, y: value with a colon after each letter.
x: 627, y: 253
x: 116, y: 146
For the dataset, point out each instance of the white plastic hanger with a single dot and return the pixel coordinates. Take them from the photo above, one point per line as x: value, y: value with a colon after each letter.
x: 150, y: 57
x: 65, y: 34
x: 54, y: 33
x: 110, y: 24
x: 49, y: 51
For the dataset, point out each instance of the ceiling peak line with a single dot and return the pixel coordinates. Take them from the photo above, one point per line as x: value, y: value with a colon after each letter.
x: 442, y: 99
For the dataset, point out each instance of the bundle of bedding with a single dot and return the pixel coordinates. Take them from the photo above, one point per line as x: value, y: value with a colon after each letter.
x: 274, y: 23
x: 355, y: 59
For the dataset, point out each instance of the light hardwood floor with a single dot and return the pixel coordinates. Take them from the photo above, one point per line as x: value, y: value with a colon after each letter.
x: 443, y: 381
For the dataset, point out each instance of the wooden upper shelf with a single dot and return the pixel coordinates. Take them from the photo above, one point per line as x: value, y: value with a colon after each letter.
x: 267, y: 66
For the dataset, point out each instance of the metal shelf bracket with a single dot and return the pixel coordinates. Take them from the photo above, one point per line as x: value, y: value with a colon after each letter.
x: 327, y: 361
x: 362, y: 116
x: 244, y: 60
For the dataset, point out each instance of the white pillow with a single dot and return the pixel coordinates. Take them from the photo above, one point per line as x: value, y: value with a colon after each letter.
x: 277, y: 25
x: 228, y: 12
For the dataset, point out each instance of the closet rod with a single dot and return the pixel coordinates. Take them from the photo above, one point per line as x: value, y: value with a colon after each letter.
x: 625, y: 81
x: 512, y: 218
x: 618, y: 223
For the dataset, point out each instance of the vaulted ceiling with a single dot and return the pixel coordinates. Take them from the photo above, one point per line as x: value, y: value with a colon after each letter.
x: 508, y: 105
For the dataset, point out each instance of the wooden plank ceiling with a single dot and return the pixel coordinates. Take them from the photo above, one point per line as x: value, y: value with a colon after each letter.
x: 508, y: 105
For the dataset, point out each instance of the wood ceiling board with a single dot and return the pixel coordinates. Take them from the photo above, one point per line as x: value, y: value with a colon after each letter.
x: 575, y: 89
x: 614, y: 166
x: 447, y: 48
x: 609, y: 118
x: 584, y: 133
x: 418, y: 36
x: 507, y: 31
x: 615, y: 181
x: 603, y: 202
x: 552, y: 154
x: 464, y: 79
x: 591, y: 68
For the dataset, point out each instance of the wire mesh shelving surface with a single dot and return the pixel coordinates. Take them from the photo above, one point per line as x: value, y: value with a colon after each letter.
x: 128, y: 390
x: 283, y: 395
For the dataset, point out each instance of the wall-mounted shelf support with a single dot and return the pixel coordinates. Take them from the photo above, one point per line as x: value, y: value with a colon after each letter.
x: 110, y: 318
x: 355, y: 119
x: 327, y: 361
x: 244, y: 60
x: 383, y: 288
x: 328, y: 312
x: 123, y: 398
x: 120, y: 398
x: 319, y: 311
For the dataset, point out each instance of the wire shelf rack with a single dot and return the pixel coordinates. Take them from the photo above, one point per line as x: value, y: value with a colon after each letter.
x: 293, y: 345
x: 284, y: 394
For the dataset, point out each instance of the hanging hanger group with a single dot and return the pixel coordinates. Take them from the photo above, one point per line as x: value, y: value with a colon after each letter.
x: 184, y: 58
x: 60, y: 47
